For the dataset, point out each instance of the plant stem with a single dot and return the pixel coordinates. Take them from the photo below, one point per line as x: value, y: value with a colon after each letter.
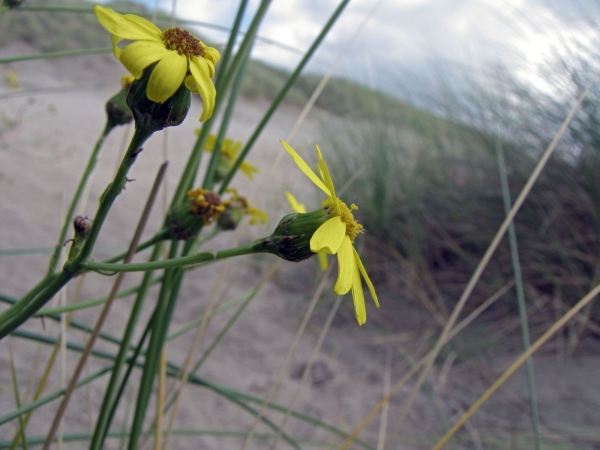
x: 21, y: 311
x: 21, y: 304
x: 158, y: 237
x: 514, y: 251
x: 214, y: 160
x: 109, y: 395
x: 291, y: 80
x: 191, y: 168
x: 82, y: 182
x: 161, y: 316
x: 61, y: 54
x: 174, y: 262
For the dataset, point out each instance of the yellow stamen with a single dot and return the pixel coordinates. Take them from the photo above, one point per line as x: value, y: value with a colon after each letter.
x: 353, y: 228
x: 207, y: 204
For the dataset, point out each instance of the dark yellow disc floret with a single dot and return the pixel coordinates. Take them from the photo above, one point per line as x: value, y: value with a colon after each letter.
x: 207, y: 204
x: 353, y: 228
x: 183, y: 42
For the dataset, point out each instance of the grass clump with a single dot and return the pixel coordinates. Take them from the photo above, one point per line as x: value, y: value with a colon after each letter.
x: 431, y: 200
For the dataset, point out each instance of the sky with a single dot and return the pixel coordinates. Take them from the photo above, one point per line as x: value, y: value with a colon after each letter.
x: 409, y: 42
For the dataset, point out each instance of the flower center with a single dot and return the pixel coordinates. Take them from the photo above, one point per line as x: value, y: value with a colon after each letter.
x: 353, y: 228
x: 207, y: 204
x: 182, y: 42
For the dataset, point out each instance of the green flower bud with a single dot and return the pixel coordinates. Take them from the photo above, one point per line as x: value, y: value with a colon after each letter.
x: 117, y: 111
x: 291, y: 238
x: 82, y: 225
x: 153, y: 116
x: 231, y: 217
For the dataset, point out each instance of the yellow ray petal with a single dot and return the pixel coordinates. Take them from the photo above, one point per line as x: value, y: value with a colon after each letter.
x: 116, y: 50
x: 212, y: 54
x: 304, y: 168
x: 329, y: 236
x: 328, y: 181
x: 140, y: 54
x: 143, y: 26
x: 129, y: 26
x: 209, y: 146
x: 204, y: 85
x: 360, y: 266
x: 346, y: 267
x: 323, y: 261
x: 295, y: 204
x: 248, y: 169
x: 167, y: 77
x: 358, y: 296
x: 234, y: 149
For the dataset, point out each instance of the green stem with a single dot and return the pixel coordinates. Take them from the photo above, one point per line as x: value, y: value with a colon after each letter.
x: 291, y: 80
x: 91, y: 303
x: 158, y: 237
x: 20, y: 312
x: 72, y: 323
x: 214, y: 160
x: 52, y: 396
x: 172, y: 371
x: 24, y: 313
x: 161, y: 316
x: 21, y: 304
x: 61, y: 54
x: 109, y: 395
x: 13, y: 375
x: 82, y: 182
x: 175, y: 262
x: 159, y: 17
x: 514, y: 251
x: 223, y: 82
x: 132, y: 363
x: 112, y: 192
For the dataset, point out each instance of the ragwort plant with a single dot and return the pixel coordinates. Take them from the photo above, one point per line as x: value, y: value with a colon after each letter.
x: 165, y: 67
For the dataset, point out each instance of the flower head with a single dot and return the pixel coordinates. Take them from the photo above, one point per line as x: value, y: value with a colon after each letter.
x: 336, y: 236
x: 301, y: 209
x: 236, y: 209
x: 180, y: 57
x: 229, y: 153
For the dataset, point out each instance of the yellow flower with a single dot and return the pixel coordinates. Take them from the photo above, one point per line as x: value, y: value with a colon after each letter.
x: 179, y: 56
x: 336, y: 237
x: 301, y: 209
x: 229, y: 151
x: 237, y: 201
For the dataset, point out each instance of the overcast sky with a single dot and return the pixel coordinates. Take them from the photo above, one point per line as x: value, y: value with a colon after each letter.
x: 417, y: 37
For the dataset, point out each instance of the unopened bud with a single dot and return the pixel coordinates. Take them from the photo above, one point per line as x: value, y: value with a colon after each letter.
x: 82, y: 225
x: 291, y: 238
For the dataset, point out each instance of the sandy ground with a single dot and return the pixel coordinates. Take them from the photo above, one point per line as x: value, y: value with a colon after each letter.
x: 45, y: 140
